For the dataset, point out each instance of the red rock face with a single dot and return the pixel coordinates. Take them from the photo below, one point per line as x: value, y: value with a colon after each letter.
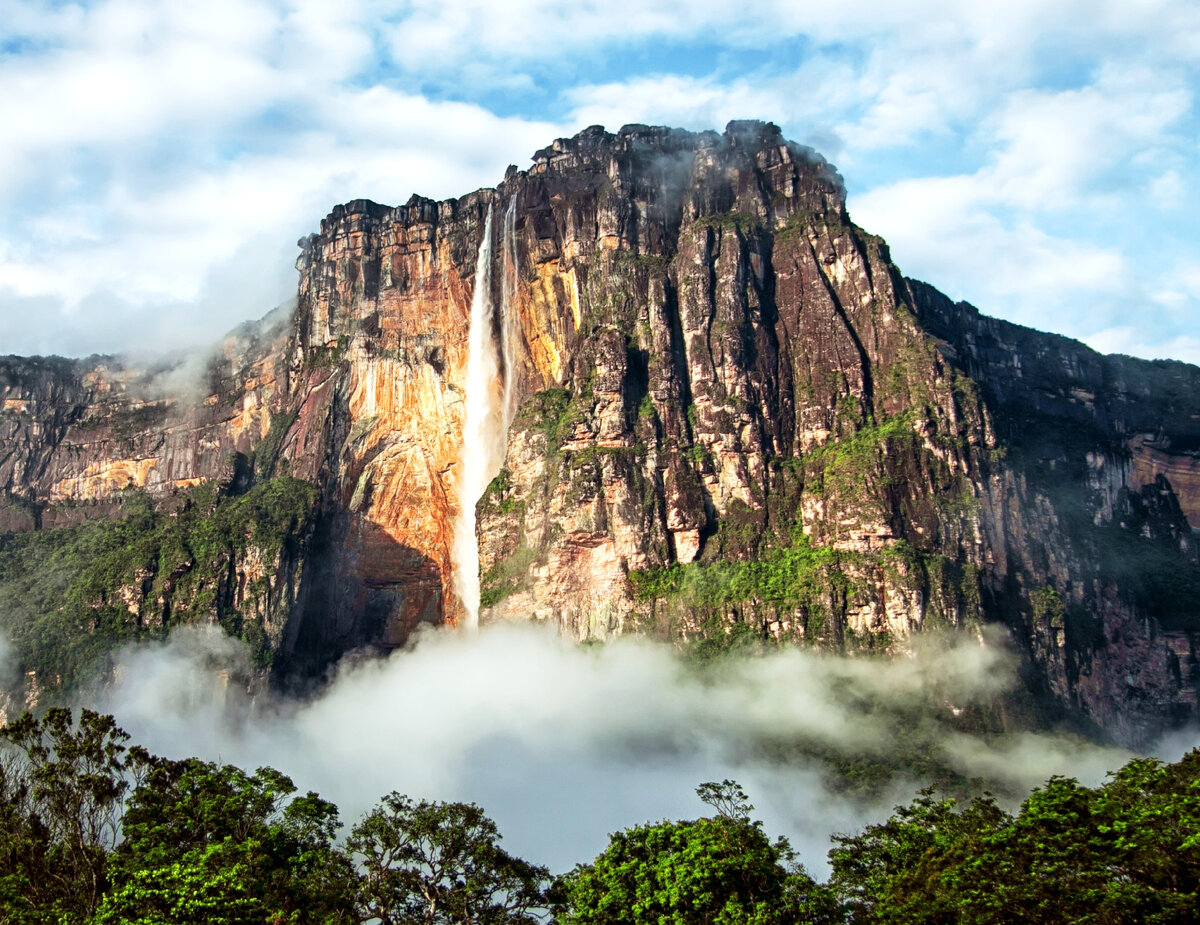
x: 703, y: 354
x: 1182, y: 470
x: 383, y: 316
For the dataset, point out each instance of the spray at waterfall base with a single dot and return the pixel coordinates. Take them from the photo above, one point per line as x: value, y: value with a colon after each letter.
x: 562, y: 744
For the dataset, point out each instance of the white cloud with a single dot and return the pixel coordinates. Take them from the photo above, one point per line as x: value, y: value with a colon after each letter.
x: 563, y: 744
x: 1004, y: 35
x: 997, y: 236
x: 1167, y: 190
x: 148, y: 142
x: 156, y: 252
x: 1165, y: 329
x: 1056, y: 148
x: 135, y: 71
x: 1132, y: 341
x: 942, y: 230
x: 154, y: 147
x: 669, y: 99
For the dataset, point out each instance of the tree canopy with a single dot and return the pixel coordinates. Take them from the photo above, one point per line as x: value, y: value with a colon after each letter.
x: 720, y: 870
x: 211, y: 843
x: 94, y: 831
x: 1128, y: 851
x: 433, y: 862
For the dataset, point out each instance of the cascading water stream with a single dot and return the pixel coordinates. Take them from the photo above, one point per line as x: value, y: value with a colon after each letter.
x: 483, y: 431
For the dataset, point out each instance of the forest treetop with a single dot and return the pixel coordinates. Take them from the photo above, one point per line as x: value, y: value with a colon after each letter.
x: 95, y: 830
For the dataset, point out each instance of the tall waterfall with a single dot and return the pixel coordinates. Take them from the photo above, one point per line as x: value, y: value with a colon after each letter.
x: 484, y: 430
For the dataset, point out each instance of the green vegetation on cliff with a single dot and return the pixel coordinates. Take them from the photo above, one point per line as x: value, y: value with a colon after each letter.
x: 796, y: 574
x: 70, y: 595
x: 707, y: 598
x: 886, y: 504
x: 506, y: 576
x: 266, y: 454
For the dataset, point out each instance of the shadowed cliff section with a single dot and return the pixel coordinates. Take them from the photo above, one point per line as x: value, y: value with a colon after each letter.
x: 733, y: 420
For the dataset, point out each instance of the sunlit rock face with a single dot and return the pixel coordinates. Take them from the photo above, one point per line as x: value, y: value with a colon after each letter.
x: 86, y: 430
x: 381, y: 341
x: 702, y: 361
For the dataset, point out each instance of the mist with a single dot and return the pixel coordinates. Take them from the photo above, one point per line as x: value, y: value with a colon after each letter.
x: 563, y: 744
x: 9, y: 671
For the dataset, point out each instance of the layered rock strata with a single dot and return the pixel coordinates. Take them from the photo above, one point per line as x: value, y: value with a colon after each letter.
x: 730, y: 413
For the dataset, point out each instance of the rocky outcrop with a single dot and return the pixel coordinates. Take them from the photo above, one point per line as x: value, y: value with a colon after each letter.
x: 730, y: 324
x: 82, y: 431
x: 378, y: 364
x: 130, y: 503
x: 727, y: 414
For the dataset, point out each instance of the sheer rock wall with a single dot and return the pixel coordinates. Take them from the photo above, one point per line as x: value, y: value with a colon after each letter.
x: 711, y: 373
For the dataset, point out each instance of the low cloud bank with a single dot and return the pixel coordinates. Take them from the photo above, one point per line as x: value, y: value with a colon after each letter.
x: 562, y: 744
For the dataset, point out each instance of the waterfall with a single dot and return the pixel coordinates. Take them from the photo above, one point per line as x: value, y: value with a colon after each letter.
x: 484, y: 430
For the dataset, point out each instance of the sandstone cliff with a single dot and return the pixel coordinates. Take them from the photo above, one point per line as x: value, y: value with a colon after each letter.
x: 725, y: 414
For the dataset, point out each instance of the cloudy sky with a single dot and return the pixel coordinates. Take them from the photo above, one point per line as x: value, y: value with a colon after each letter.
x: 159, y: 160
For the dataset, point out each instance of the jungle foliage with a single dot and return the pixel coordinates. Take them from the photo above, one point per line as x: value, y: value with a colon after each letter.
x: 94, y: 830
x: 792, y: 574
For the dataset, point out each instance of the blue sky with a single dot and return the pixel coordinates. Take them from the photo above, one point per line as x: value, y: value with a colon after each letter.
x: 159, y: 160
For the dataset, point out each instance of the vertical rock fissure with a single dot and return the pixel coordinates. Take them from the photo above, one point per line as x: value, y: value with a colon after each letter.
x: 483, y: 430
x: 864, y: 358
x: 508, y: 296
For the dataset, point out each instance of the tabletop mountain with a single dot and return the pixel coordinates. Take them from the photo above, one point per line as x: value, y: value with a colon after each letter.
x: 723, y: 412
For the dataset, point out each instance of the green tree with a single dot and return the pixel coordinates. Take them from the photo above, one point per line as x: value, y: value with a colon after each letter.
x: 24, y: 844
x: 1128, y: 851
x: 1149, y: 814
x: 878, y: 872
x: 214, y: 885
x: 63, y: 787
x: 707, y: 871
x: 433, y: 862
x: 211, y: 843
x: 727, y: 798
x: 1123, y: 852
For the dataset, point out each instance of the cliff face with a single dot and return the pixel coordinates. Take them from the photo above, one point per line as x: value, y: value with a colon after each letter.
x: 130, y: 504
x: 733, y: 334
x: 725, y: 413
x: 1105, y: 450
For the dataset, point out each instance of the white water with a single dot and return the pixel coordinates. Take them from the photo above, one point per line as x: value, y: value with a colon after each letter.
x: 483, y: 431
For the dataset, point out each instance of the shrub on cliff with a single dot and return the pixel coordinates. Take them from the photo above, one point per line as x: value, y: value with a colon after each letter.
x: 70, y: 595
